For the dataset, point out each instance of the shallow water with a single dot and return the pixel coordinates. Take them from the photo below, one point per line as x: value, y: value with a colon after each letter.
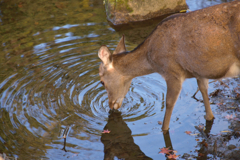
x: 49, y: 87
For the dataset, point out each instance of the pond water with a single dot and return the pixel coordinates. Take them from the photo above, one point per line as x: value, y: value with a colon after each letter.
x: 49, y: 87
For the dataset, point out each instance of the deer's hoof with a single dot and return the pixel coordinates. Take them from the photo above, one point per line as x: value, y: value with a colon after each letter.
x: 165, y: 131
x: 209, y: 118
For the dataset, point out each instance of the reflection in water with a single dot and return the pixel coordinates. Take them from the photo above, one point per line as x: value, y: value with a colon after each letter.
x: 137, y: 31
x: 204, y: 151
x: 119, y: 142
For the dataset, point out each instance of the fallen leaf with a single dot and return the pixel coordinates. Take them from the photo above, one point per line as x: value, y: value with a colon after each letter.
x: 188, y: 132
x: 194, y: 134
x: 229, y: 117
x: 225, y: 131
x: 215, y: 93
x: 200, y: 154
x: 20, y: 5
x: 106, y: 131
x: 53, y: 100
x: 164, y: 150
x: 201, y: 127
x: 173, y: 156
x: 174, y: 151
x: 205, y: 144
x: 183, y: 11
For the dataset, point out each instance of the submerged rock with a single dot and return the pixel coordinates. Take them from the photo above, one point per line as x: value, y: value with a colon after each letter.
x: 231, y: 146
x: 125, y: 11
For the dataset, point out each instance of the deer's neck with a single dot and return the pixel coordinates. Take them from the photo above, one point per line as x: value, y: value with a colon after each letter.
x: 134, y: 63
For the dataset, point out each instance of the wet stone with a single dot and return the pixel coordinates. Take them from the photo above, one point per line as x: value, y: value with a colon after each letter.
x: 233, y: 155
x: 231, y: 146
x: 185, y: 155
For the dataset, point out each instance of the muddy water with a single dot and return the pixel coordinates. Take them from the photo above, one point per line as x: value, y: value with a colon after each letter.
x: 51, y: 103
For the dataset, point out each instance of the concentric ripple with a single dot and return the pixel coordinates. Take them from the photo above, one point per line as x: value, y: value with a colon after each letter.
x: 57, y: 87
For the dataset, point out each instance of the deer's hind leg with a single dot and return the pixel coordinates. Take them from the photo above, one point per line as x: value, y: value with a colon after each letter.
x: 203, y: 87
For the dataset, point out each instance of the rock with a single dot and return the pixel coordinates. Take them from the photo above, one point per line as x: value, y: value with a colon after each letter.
x: 125, y: 11
x: 231, y: 146
x: 233, y: 155
x: 185, y: 155
x: 236, y: 154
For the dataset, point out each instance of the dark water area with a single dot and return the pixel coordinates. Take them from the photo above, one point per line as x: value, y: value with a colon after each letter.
x: 51, y: 103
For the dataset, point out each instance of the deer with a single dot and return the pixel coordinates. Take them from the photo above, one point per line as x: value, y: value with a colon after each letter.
x: 202, y: 44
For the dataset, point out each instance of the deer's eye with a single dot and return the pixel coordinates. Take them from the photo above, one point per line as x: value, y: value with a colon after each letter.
x: 102, y: 83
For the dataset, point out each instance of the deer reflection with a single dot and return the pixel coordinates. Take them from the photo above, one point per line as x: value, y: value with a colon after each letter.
x: 119, y: 142
x: 204, y: 148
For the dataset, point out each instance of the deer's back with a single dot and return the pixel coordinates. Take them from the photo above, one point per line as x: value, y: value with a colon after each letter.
x: 203, y: 43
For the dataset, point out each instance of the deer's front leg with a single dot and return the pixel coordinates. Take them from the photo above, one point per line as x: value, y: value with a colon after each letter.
x: 203, y: 87
x: 174, y: 87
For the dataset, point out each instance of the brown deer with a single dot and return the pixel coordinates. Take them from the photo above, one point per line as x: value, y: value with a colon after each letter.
x: 204, y: 44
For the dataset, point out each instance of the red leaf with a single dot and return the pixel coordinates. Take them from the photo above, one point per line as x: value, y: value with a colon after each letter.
x: 200, y: 154
x: 106, y: 131
x: 164, y: 150
x: 229, y: 117
x: 188, y: 132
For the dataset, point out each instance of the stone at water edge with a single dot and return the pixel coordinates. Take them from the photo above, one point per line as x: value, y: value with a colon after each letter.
x: 125, y: 11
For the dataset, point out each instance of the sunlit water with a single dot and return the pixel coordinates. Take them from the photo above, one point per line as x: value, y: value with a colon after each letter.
x: 49, y: 86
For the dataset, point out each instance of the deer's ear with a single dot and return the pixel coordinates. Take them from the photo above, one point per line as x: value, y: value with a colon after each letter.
x: 120, y: 47
x: 104, y: 54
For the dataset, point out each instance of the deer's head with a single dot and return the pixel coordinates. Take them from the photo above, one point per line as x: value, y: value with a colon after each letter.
x: 115, y: 83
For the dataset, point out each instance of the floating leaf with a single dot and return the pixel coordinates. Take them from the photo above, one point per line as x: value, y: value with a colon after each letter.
x: 106, y: 131
x: 188, y: 132
x: 174, y: 151
x: 173, y: 156
x: 200, y: 154
x: 201, y: 127
x: 229, y: 117
x: 194, y: 134
x: 165, y: 151
x: 225, y: 131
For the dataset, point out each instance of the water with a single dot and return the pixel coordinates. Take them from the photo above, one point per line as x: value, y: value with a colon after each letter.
x: 49, y: 87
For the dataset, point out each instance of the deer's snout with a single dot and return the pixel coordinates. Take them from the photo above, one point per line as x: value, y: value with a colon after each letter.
x: 116, y: 104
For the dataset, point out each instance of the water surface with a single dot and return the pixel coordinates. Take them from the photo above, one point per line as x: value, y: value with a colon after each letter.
x: 49, y: 87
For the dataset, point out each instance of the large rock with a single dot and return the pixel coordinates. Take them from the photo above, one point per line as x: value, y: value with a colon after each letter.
x: 124, y: 11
